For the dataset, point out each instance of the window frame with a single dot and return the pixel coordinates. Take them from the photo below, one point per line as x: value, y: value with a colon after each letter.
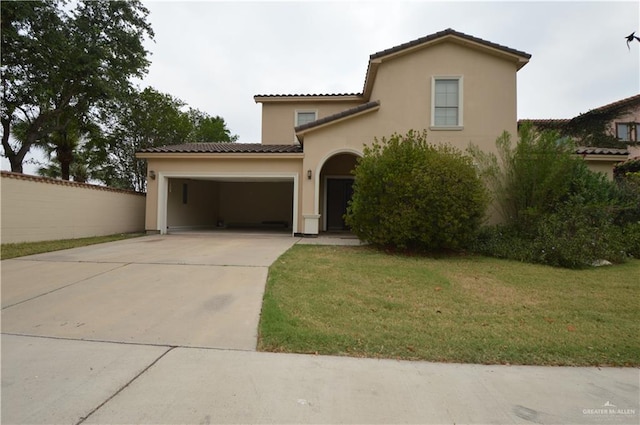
x: 304, y: 111
x: 632, y: 131
x: 295, y: 119
x: 460, y: 123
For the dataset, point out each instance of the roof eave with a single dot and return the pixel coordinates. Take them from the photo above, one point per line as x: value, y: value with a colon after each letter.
x: 313, y: 98
x: 213, y: 155
x: 520, y: 59
x: 603, y: 157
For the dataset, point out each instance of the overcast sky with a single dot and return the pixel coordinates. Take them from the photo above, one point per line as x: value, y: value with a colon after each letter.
x: 216, y: 56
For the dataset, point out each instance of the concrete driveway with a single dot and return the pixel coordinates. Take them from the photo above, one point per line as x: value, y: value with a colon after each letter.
x: 162, y: 329
x: 191, y: 290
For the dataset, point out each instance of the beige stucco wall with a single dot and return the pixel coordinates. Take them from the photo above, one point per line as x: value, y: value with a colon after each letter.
x: 403, y: 86
x: 256, y: 168
x: 40, y: 209
x: 278, y: 119
x: 603, y: 165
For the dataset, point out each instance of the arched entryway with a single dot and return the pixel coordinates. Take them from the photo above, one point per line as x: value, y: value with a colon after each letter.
x: 336, y: 188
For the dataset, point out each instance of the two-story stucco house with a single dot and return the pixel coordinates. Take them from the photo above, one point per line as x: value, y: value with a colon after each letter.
x: 460, y: 88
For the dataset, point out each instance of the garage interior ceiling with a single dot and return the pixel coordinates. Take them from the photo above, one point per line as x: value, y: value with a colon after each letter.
x: 239, y: 179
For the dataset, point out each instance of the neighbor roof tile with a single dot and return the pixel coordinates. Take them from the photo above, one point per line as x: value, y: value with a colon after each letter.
x: 600, y: 151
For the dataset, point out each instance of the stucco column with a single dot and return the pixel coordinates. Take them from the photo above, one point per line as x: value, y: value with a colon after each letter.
x: 151, y: 212
x: 310, y: 214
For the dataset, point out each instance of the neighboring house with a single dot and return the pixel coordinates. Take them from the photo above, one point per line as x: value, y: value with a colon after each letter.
x: 460, y: 88
x: 620, y: 121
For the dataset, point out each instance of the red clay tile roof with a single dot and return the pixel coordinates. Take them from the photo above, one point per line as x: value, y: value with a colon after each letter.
x: 344, y: 114
x: 618, y: 105
x: 444, y: 33
x: 550, y: 122
x: 600, y: 151
x: 224, y: 148
x: 310, y: 95
x: 545, y: 123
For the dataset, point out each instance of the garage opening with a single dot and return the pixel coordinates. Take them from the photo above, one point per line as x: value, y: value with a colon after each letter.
x: 230, y: 203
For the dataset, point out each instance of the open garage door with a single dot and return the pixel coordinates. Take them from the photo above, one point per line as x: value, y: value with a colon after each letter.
x: 228, y: 202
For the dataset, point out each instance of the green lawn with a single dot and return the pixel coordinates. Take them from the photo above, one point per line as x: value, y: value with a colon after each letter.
x: 356, y: 301
x: 13, y: 250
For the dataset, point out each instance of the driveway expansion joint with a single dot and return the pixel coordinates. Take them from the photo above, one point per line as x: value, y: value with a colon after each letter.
x: 142, y: 344
x: 66, y: 286
x: 84, y: 418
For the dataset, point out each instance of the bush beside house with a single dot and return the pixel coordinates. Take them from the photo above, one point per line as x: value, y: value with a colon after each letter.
x: 555, y: 210
x: 411, y: 195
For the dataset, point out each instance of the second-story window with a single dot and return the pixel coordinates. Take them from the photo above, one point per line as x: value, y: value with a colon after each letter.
x: 446, y: 102
x: 305, y: 117
x: 627, y: 131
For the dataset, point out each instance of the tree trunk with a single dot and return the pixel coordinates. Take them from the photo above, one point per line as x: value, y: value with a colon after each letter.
x: 65, y: 157
x: 15, y: 158
x: 16, y: 163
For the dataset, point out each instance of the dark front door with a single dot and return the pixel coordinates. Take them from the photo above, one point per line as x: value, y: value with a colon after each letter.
x: 339, y: 192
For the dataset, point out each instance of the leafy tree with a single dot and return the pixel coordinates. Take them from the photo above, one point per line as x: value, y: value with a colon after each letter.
x: 59, y: 62
x: 24, y: 26
x: 208, y: 129
x: 145, y: 119
x: 67, y: 156
x: 409, y: 194
x: 65, y: 146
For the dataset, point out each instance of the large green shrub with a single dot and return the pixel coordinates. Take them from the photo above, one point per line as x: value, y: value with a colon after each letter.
x: 409, y: 194
x: 629, y: 169
x: 530, y: 178
x: 577, y: 235
x: 627, y: 176
x: 631, y: 239
x: 555, y: 210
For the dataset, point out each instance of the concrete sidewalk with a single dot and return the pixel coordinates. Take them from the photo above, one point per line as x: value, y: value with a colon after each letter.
x: 93, y: 382
x: 162, y: 329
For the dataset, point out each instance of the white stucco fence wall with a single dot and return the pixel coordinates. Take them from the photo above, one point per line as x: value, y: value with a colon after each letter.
x: 39, y: 209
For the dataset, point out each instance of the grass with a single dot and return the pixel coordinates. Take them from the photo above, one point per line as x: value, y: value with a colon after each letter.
x: 13, y: 250
x: 355, y: 301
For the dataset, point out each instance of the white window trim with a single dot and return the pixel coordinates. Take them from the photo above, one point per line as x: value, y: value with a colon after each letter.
x: 460, y: 125
x: 295, y: 119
